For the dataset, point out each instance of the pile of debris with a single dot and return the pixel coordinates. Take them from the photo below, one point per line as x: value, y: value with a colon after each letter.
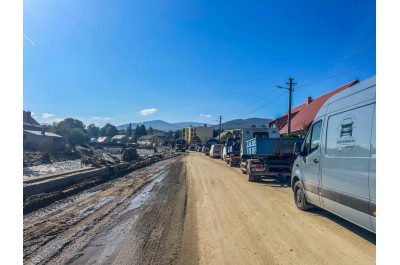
x: 99, y: 160
x: 130, y: 154
x: 108, y: 159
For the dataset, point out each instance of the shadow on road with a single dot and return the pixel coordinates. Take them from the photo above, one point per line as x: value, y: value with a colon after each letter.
x: 283, y: 183
x: 275, y: 183
x: 369, y: 236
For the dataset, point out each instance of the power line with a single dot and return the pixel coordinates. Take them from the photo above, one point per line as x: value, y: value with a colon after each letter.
x: 345, y: 55
x: 369, y: 44
x: 254, y: 104
x: 332, y: 76
x: 263, y: 105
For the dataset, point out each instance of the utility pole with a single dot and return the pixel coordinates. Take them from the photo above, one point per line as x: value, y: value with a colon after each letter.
x: 219, y: 135
x: 291, y: 90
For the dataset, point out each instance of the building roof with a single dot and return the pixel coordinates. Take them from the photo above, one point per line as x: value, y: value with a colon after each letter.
x: 45, y: 133
x: 28, y: 120
x: 304, y: 114
x: 222, y: 134
x: 148, y: 137
x: 119, y: 137
x: 102, y: 139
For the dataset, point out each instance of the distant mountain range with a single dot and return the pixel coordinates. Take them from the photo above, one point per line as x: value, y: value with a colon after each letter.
x: 243, y: 123
x: 166, y: 126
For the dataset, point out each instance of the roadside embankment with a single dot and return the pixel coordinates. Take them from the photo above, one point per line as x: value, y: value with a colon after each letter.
x: 43, y: 190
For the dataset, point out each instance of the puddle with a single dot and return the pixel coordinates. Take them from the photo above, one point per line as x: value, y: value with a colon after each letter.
x: 91, y: 208
x: 144, y: 195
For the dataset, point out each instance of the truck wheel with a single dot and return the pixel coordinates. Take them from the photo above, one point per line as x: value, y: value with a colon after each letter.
x: 300, y: 198
x: 251, y: 178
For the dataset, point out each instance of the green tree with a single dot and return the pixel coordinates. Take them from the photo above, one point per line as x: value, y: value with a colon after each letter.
x: 225, y: 137
x: 139, y: 132
x: 73, y: 131
x: 143, y: 130
x: 93, y: 131
x: 150, y: 130
x: 78, y: 137
x: 177, y: 134
x: 108, y: 130
x: 216, y: 133
x: 129, y: 130
x: 195, y: 140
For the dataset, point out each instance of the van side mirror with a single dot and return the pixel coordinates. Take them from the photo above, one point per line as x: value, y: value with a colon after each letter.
x: 297, y: 149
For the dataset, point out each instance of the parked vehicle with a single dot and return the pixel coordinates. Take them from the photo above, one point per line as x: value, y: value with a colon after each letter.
x: 335, y: 168
x: 270, y: 157
x: 232, y: 151
x: 250, y: 133
x: 191, y: 148
x: 210, y: 142
x: 223, y: 153
x: 206, y: 150
x: 181, y: 145
x: 216, y: 150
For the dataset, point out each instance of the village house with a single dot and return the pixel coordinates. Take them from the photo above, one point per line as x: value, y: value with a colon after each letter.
x: 120, y: 138
x: 303, y: 115
x: 103, y: 139
x: 36, y: 139
x: 148, y: 140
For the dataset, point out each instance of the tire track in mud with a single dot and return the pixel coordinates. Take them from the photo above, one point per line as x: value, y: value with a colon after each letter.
x: 58, y: 236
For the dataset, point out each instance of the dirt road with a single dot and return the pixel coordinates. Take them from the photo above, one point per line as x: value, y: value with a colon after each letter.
x: 190, y: 210
x: 238, y: 222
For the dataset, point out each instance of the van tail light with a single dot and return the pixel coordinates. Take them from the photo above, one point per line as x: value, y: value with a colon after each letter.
x: 256, y: 166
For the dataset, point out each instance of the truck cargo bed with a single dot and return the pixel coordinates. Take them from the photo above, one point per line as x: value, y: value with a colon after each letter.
x: 271, y: 146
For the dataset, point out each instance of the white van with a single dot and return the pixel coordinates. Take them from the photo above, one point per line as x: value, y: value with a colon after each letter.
x: 335, y: 167
x: 215, y: 151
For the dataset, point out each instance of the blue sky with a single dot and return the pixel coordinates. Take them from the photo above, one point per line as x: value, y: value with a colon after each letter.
x: 132, y: 61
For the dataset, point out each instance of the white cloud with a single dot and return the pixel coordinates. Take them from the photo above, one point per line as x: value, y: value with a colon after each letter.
x: 146, y: 112
x: 206, y: 115
x: 47, y: 116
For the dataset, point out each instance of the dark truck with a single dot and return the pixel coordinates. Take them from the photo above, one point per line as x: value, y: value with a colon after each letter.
x: 180, y: 145
x: 269, y: 157
x: 232, y: 151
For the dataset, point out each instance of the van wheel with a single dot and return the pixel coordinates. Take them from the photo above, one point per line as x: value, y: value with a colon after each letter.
x: 300, y: 198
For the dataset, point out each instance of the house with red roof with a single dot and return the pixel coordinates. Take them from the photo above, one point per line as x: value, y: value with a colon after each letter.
x: 303, y: 115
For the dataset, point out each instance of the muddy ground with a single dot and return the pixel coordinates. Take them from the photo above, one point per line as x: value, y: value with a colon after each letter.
x: 137, y: 219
